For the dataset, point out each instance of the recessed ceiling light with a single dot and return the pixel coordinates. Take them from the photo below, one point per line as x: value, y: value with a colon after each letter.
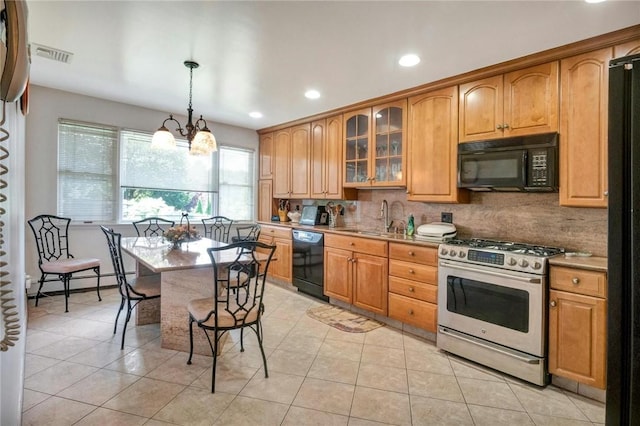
x: 312, y: 94
x: 594, y: 1
x: 255, y: 114
x: 409, y: 60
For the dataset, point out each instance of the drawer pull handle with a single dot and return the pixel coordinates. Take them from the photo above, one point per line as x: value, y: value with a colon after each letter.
x: 351, y: 243
x: 575, y: 280
x: 411, y: 271
x: 411, y: 253
x: 411, y: 289
x: 410, y: 311
x: 553, y: 303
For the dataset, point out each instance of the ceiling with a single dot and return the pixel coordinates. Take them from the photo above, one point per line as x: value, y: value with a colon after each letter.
x: 263, y: 55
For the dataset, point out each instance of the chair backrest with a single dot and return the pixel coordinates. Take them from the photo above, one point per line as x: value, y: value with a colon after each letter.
x: 240, y: 281
x: 247, y: 233
x: 115, y: 250
x: 52, y: 240
x: 152, y: 226
x: 217, y: 228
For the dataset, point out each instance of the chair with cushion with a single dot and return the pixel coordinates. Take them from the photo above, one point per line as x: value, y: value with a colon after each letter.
x: 132, y: 291
x: 152, y: 226
x: 52, y: 242
x: 238, y: 295
x: 217, y: 228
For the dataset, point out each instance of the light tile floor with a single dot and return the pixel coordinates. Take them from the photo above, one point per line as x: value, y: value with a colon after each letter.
x: 76, y: 374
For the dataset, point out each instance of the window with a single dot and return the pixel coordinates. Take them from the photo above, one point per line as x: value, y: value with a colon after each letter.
x: 86, y: 171
x: 160, y: 183
x: 101, y: 180
x: 236, y: 183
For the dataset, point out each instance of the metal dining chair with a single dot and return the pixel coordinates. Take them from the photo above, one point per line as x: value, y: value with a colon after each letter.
x: 54, y: 258
x: 152, y: 226
x: 217, y: 228
x: 237, y: 301
x: 249, y: 232
x: 131, y: 291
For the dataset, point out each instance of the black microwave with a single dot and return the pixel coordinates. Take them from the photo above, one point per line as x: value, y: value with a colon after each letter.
x: 526, y: 164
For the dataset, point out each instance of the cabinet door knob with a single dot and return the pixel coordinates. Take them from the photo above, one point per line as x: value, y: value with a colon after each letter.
x: 410, y: 311
x: 411, y: 289
x: 499, y: 127
x: 351, y: 243
x: 505, y: 126
x: 606, y: 193
x: 575, y: 280
x: 411, y: 271
x: 553, y: 303
x: 411, y: 253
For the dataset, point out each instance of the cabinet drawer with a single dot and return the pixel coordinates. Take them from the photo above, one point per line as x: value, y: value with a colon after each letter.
x: 275, y: 231
x: 414, y: 312
x: 413, y: 271
x: 582, y: 281
x: 414, y: 289
x: 361, y: 245
x: 413, y: 253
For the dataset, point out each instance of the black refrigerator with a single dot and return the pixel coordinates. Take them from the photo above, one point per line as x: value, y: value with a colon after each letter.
x: 623, y: 320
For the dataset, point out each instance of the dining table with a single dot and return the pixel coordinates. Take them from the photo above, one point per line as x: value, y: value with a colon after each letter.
x: 185, y: 273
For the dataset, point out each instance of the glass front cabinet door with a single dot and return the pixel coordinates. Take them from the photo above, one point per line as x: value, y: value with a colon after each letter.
x: 375, y: 146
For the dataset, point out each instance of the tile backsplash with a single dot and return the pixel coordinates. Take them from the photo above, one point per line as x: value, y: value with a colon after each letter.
x: 524, y: 217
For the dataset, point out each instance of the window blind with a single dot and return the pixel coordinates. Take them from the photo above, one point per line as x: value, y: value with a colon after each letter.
x: 86, y: 166
x: 177, y: 170
x: 236, y: 198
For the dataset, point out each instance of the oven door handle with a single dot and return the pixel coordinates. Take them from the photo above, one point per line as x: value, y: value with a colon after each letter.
x: 495, y: 274
x: 528, y: 360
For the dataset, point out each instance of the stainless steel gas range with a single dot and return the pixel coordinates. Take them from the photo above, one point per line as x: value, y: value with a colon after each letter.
x: 492, y: 298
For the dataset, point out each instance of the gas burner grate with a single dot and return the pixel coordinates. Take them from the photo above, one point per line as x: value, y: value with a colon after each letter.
x: 509, y: 246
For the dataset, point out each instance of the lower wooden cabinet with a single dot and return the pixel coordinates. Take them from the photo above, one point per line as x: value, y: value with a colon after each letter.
x: 355, y: 271
x: 280, y: 267
x: 413, y: 285
x: 577, y: 325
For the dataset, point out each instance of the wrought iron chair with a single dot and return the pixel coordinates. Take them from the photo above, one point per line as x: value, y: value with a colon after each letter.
x: 249, y: 232
x: 238, y: 296
x: 132, y: 291
x: 217, y: 228
x: 152, y: 226
x: 52, y: 241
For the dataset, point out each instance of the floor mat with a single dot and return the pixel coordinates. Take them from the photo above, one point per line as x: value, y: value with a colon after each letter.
x: 342, y: 319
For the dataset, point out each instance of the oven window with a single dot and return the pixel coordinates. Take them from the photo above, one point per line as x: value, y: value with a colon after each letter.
x: 503, y: 306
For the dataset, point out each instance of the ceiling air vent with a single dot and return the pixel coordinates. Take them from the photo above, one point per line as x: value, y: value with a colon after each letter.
x: 51, y: 53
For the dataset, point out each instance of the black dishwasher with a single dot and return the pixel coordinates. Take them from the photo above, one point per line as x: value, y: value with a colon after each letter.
x: 307, y: 263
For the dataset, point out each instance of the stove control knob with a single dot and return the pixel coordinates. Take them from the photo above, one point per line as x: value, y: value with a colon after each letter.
x: 524, y: 263
x: 536, y: 265
x: 462, y: 255
x: 452, y: 253
x: 511, y: 261
x: 444, y: 252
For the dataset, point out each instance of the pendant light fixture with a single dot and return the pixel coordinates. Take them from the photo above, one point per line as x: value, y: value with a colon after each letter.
x: 201, y: 140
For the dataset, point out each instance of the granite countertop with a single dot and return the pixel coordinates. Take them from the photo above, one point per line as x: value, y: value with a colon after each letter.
x: 356, y: 231
x: 593, y: 263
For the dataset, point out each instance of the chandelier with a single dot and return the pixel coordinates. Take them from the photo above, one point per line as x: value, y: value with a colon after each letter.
x: 201, y: 140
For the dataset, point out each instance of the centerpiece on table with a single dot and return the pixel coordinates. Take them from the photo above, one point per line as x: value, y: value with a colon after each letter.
x: 180, y: 234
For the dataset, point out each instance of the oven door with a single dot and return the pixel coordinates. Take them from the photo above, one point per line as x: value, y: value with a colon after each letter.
x: 503, y: 307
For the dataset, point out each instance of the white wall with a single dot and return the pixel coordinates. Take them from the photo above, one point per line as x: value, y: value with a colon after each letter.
x: 46, y: 107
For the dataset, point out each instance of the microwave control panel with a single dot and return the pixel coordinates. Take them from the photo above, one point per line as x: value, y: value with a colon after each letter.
x: 538, y: 167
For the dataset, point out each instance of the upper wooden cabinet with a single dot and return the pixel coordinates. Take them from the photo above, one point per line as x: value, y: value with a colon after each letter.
x: 265, y: 199
x: 326, y: 160
x: 626, y: 49
x: 583, y: 129
x: 374, y: 146
x: 291, y: 162
x: 432, y: 148
x: 521, y: 102
x: 266, y: 156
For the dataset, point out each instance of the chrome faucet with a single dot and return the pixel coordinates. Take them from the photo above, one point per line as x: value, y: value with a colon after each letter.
x: 384, y: 214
